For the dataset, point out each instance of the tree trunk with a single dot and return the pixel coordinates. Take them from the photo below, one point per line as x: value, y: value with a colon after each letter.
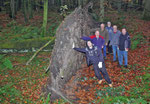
x: 146, y: 12
x: 25, y: 11
x: 30, y: 9
x: 12, y: 6
x: 45, y: 16
x: 101, y: 10
x: 64, y: 60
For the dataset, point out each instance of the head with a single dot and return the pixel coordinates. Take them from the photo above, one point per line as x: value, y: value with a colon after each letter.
x: 97, y: 34
x: 89, y: 44
x: 124, y: 31
x: 115, y: 28
x: 109, y: 24
x: 102, y: 26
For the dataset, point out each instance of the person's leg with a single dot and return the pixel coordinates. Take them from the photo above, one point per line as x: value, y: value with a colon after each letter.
x: 117, y: 52
x: 108, y: 47
x: 114, y: 53
x: 104, y: 51
x: 97, y: 72
x: 120, y: 57
x: 125, y: 58
x: 105, y: 74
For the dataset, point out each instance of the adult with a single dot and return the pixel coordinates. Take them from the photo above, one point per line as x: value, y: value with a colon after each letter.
x: 96, y: 39
x: 94, y: 57
x: 109, y: 28
x: 124, y: 45
x: 115, y: 42
x: 104, y: 33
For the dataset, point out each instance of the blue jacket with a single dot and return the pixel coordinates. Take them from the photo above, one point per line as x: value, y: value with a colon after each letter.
x: 115, y: 38
x: 110, y: 30
x: 124, y: 42
x: 93, y: 56
x: 97, y: 42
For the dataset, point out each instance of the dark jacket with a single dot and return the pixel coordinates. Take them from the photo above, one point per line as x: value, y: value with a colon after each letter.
x: 93, y: 56
x: 124, y: 42
x: 97, y: 42
x: 115, y: 38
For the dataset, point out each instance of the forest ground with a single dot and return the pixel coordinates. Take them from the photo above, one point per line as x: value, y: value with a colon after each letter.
x: 130, y: 85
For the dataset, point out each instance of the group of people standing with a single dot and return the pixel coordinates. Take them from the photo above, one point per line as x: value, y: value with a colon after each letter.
x: 106, y: 37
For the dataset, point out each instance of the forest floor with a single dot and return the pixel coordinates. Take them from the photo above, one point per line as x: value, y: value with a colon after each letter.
x: 22, y: 84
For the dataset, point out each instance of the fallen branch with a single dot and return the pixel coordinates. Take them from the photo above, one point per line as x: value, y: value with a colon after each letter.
x: 39, y: 50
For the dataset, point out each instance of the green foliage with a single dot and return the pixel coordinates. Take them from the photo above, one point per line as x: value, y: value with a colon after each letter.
x: 110, y: 91
x: 63, y: 10
x: 136, y: 40
x: 28, y: 44
x: 5, y: 62
x: 10, y: 92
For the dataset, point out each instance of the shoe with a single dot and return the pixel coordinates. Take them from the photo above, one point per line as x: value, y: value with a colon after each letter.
x: 126, y: 66
x: 100, y: 81
x: 110, y: 85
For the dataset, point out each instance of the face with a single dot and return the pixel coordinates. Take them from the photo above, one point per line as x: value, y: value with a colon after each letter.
x: 109, y: 24
x: 97, y: 33
x: 115, y: 28
x: 102, y: 26
x: 89, y: 43
x: 124, y: 31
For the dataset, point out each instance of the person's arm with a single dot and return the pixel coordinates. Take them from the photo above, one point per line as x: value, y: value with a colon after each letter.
x: 127, y: 43
x: 85, y: 38
x: 107, y: 37
x: 103, y: 43
x: 80, y: 50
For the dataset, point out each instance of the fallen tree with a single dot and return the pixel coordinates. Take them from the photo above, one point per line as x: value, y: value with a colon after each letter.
x: 64, y: 60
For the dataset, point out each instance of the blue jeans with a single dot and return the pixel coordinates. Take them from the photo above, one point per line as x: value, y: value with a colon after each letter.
x: 125, y: 55
x: 104, y: 50
x: 115, y: 50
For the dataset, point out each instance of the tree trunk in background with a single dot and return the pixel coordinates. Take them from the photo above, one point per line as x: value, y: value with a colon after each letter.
x: 45, y: 16
x: 12, y: 6
x: 119, y: 5
x: 61, y: 2
x: 25, y: 11
x: 30, y: 9
x: 79, y: 2
x: 64, y: 60
x: 126, y: 5
x: 146, y: 12
x: 101, y: 10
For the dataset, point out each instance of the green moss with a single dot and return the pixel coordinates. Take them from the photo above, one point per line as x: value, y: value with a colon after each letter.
x: 27, y: 44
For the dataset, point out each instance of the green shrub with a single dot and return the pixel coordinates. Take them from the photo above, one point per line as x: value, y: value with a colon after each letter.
x: 10, y: 92
x: 5, y: 62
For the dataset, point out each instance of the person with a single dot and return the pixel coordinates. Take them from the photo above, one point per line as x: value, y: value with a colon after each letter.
x: 104, y: 33
x: 124, y: 45
x: 94, y: 57
x: 115, y: 42
x: 96, y: 39
x: 110, y: 30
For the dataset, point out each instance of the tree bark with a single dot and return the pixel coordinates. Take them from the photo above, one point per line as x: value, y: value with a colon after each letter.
x: 146, y: 12
x: 12, y: 6
x: 45, y: 16
x: 25, y: 11
x: 64, y: 60
x: 101, y: 10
